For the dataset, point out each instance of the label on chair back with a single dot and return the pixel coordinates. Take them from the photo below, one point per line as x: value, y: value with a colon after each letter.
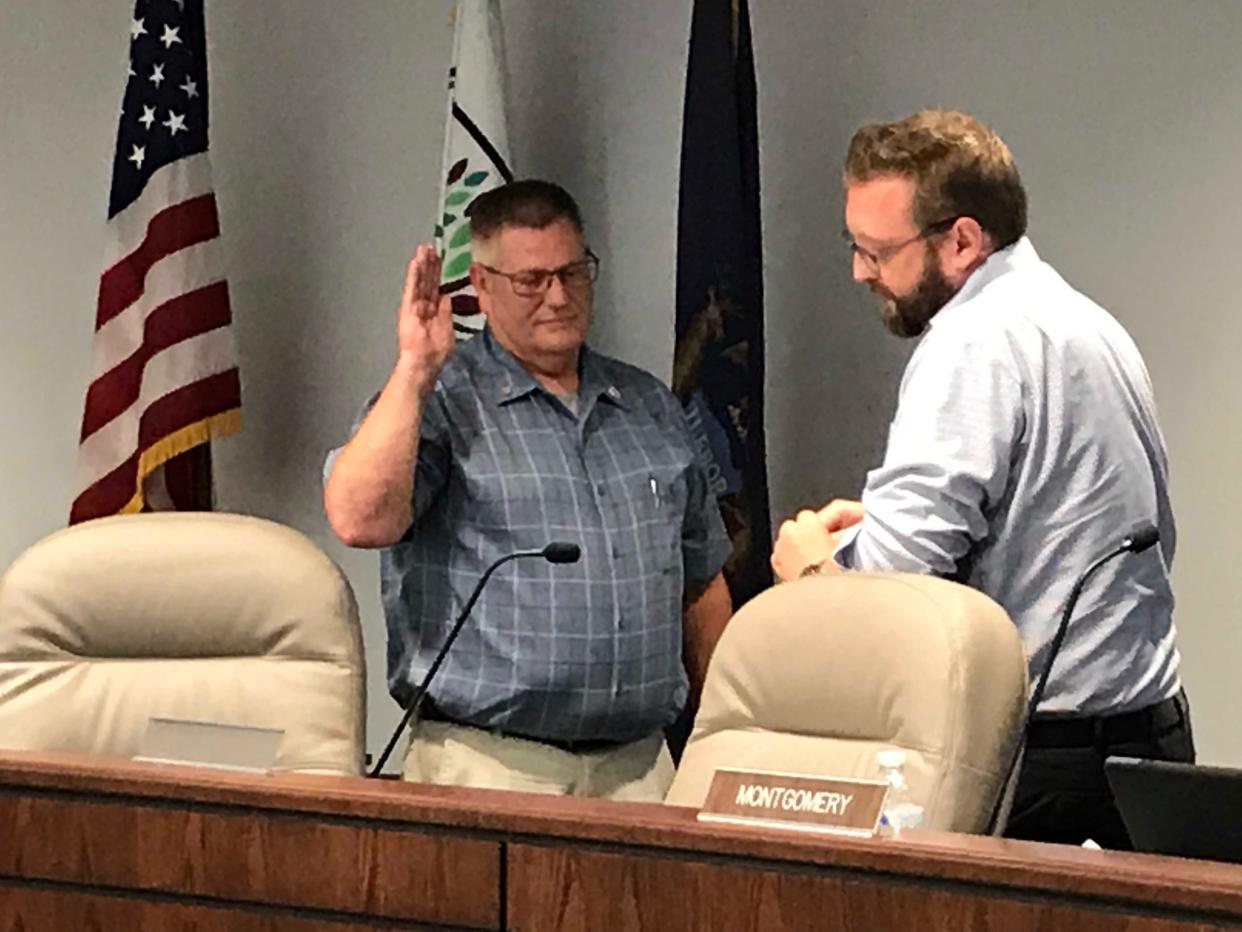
x: 795, y: 800
x: 210, y: 744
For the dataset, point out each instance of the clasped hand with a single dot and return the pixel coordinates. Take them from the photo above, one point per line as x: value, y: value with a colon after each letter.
x: 810, y: 538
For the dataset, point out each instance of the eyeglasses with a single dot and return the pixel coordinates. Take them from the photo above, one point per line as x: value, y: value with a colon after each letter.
x: 532, y: 283
x: 872, y: 261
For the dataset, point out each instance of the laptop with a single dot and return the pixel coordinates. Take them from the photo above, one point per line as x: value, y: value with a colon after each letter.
x: 1187, y: 810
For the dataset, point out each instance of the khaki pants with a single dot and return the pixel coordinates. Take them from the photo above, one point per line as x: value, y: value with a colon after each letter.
x: 446, y: 753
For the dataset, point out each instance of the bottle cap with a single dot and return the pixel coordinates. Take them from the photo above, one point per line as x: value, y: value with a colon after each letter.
x: 891, y: 757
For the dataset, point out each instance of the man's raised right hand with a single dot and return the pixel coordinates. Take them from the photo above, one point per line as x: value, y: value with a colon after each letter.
x: 424, y: 319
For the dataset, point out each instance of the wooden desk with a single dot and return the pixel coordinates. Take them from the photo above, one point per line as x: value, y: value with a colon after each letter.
x: 90, y: 843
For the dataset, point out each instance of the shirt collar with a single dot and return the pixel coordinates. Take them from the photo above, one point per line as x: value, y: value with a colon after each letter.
x: 508, y: 380
x: 1020, y: 255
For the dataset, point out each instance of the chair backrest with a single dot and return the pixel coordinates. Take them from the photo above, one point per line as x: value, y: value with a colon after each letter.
x: 815, y: 675
x: 210, y: 617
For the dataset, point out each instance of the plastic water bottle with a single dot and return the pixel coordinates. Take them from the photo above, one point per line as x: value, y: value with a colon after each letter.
x: 900, y: 811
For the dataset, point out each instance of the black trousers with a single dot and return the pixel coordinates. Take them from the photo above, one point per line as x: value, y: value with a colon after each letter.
x: 1062, y: 794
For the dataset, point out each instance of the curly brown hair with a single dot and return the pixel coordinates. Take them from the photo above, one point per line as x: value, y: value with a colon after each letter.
x: 959, y: 166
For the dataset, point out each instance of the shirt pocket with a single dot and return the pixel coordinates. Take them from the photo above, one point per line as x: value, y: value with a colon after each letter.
x: 657, y: 496
x: 524, y: 500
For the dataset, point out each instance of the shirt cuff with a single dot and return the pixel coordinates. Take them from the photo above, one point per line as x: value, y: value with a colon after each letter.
x: 843, y: 556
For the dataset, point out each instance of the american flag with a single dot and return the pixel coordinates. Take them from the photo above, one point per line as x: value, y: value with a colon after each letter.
x: 165, y: 376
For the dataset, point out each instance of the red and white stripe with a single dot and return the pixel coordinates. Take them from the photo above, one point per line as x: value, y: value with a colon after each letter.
x: 165, y: 374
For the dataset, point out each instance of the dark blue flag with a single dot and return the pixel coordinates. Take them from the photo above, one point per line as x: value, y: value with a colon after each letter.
x: 718, y: 362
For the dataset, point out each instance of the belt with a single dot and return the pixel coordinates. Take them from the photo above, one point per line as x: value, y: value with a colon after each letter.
x: 1064, y: 731
x: 430, y: 712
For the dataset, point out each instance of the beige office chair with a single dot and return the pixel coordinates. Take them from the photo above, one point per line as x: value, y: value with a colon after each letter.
x: 209, y: 617
x: 816, y: 675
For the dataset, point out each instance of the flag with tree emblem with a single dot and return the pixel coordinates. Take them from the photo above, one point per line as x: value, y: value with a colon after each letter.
x: 476, y: 147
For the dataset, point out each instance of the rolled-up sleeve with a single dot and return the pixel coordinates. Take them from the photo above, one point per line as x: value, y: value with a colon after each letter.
x: 959, y: 418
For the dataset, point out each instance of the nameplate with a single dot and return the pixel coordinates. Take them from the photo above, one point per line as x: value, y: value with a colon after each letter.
x: 795, y: 800
x: 209, y: 744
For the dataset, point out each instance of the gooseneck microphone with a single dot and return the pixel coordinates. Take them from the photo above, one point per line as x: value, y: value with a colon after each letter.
x: 556, y: 552
x: 1141, y: 538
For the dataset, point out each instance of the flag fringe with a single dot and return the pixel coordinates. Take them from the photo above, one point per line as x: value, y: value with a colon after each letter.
x: 176, y: 443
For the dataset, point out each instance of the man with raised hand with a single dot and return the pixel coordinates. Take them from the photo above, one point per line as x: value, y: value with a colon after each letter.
x: 564, y: 676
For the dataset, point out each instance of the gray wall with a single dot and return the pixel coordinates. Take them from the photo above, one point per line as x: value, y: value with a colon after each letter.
x: 327, y: 124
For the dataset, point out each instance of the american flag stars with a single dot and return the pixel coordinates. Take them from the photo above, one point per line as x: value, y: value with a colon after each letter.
x: 164, y: 96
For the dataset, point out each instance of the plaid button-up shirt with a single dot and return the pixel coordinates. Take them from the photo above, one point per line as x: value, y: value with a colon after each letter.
x: 590, y: 650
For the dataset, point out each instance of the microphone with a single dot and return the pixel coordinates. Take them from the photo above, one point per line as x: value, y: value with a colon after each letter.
x: 556, y: 552
x: 560, y: 552
x: 1141, y: 538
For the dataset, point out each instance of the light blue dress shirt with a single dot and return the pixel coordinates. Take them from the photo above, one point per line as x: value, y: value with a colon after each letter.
x: 1024, y: 447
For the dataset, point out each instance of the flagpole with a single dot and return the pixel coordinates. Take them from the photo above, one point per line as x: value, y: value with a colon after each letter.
x: 445, y: 153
